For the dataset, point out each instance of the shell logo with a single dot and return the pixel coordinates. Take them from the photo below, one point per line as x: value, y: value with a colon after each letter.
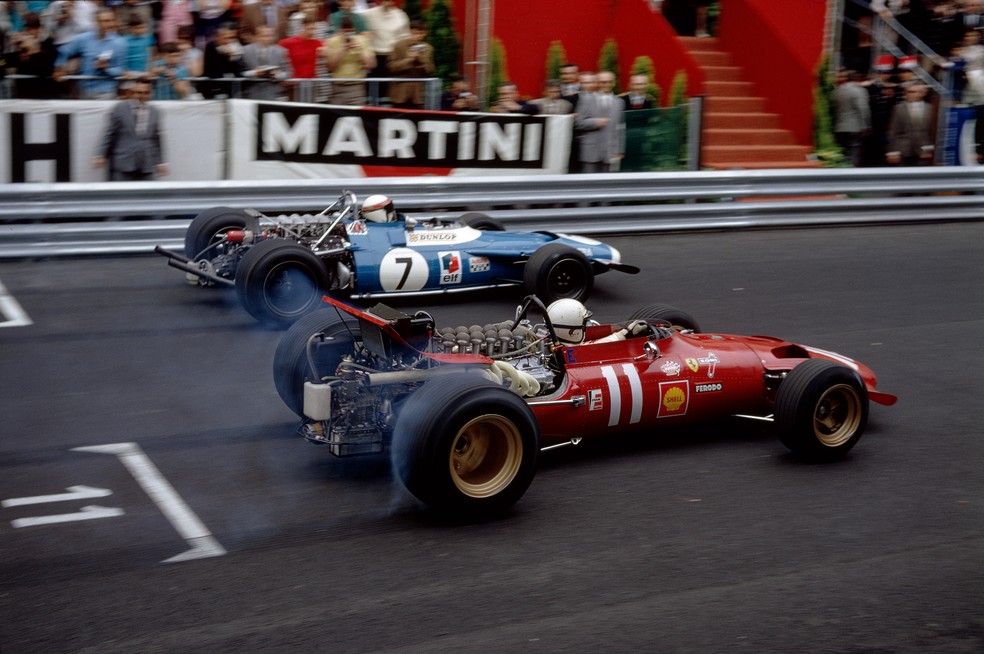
x: 675, y: 398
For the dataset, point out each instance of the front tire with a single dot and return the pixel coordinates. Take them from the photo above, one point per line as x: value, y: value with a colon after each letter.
x: 278, y: 281
x: 821, y: 410
x: 677, y: 318
x: 208, y: 228
x: 465, y: 446
x: 291, y: 367
x: 557, y: 271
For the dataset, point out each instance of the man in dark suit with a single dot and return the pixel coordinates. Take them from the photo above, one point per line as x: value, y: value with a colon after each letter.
x: 132, y: 141
x: 912, y: 129
x: 638, y: 96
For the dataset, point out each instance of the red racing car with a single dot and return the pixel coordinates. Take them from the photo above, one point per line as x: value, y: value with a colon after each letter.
x: 464, y: 412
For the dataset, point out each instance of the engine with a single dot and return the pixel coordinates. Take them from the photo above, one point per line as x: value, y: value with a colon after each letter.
x: 354, y: 407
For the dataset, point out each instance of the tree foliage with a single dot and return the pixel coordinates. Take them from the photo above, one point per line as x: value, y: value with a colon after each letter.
x: 498, y: 70
x: 556, y: 57
x: 442, y: 36
x: 414, y: 9
x: 608, y: 59
x: 824, y: 143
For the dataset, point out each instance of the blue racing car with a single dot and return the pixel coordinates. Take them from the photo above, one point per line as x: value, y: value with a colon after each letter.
x: 282, y: 266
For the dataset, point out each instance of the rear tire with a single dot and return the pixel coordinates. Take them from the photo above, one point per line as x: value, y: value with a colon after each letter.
x: 821, y: 410
x: 466, y: 447
x: 278, y: 281
x: 678, y: 319
x: 290, y: 362
x: 208, y: 227
x: 480, y: 221
x: 557, y: 271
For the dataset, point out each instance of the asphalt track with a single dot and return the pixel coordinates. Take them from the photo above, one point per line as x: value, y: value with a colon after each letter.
x: 713, y: 540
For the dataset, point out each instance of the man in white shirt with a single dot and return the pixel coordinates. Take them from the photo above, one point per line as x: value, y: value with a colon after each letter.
x: 387, y: 24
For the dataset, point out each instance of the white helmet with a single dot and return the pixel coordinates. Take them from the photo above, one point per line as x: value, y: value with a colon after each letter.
x: 379, y: 209
x: 568, y: 317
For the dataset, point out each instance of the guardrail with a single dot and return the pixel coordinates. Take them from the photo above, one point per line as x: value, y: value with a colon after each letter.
x: 43, y: 220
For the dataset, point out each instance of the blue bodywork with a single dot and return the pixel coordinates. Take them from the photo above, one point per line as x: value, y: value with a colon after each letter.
x: 412, y: 258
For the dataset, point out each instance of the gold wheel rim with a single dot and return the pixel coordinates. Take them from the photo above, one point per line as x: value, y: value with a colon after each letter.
x: 486, y: 455
x: 837, y: 415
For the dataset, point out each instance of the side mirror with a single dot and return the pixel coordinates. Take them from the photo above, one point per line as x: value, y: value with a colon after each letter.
x: 650, y: 351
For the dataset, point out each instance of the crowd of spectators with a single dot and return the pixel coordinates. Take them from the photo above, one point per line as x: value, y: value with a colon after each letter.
x: 93, y: 49
x: 886, y: 106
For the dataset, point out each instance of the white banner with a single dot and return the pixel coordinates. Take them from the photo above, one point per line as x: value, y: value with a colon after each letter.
x: 55, y: 140
x: 288, y: 140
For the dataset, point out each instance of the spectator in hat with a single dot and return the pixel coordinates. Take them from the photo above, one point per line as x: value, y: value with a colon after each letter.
x: 883, y: 95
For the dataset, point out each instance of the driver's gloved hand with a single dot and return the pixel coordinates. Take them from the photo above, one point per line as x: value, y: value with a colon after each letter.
x: 637, y: 328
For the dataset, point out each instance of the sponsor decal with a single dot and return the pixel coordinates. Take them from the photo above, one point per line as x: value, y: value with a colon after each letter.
x: 707, y: 388
x: 595, y: 402
x: 635, y: 399
x: 450, y: 267
x: 356, y: 228
x: 710, y: 361
x: 670, y: 368
x: 569, y: 354
x: 478, y: 264
x: 333, y: 135
x: 674, y: 398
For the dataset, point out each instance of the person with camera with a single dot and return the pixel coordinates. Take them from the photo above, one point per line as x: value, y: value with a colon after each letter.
x: 509, y: 102
x: 102, y: 58
x: 412, y: 57
x: 349, y: 57
x: 459, y: 97
x: 33, y: 53
x: 171, y: 77
x: 268, y: 64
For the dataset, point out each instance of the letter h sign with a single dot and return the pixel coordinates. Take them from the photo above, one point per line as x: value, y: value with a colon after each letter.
x: 59, y: 150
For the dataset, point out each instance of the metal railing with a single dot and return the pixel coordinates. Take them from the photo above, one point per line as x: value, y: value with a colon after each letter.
x: 42, y: 220
x: 304, y: 89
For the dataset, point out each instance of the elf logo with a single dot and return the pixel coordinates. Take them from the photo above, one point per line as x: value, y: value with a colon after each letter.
x: 450, y: 267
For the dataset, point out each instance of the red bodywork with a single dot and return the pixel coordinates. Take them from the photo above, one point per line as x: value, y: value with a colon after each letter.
x: 619, y: 386
x: 694, y: 377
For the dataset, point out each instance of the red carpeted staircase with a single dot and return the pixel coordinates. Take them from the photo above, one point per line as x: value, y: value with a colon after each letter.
x: 738, y: 132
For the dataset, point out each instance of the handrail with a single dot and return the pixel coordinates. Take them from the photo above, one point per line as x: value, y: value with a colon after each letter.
x: 131, y: 217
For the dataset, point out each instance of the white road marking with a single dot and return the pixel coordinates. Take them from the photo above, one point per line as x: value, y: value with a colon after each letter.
x: 184, y: 520
x: 11, y: 312
x: 85, y: 513
x: 74, y: 493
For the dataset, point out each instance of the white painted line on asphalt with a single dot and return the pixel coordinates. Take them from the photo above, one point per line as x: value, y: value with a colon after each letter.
x: 92, y: 512
x: 184, y: 520
x: 74, y: 493
x: 11, y: 312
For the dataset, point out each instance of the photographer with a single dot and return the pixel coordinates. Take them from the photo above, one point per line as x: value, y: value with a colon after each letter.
x: 459, y: 97
x: 349, y: 56
x: 412, y: 57
x: 33, y: 53
x: 171, y: 77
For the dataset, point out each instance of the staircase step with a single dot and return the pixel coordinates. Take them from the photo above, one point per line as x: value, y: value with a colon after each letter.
x: 734, y: 104
x: 740, y: 120
x: 724, y: 73
x: 711, y: 58
x: 728, y: 89
x: 759, y: 165
x: 700, y: 43
x: 713, y: 137
x: 724, y: 154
